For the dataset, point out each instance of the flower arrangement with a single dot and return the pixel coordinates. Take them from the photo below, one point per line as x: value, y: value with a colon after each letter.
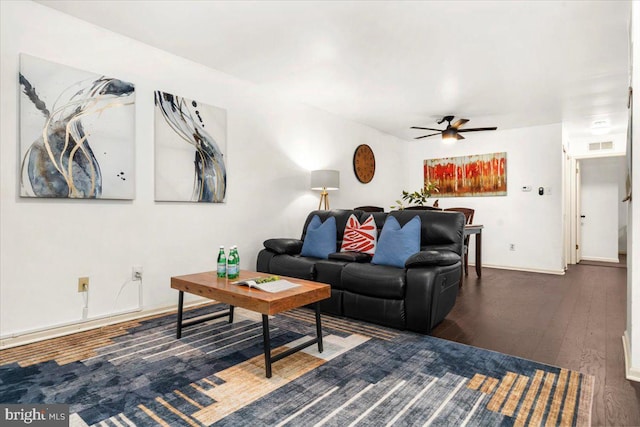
x: 418, y: 198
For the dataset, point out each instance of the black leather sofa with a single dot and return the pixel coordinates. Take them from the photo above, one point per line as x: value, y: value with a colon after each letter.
x: 416, y: 297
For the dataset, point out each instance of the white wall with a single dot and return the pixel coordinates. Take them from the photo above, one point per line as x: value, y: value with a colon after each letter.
x: 600, y: 204
x: 530, y: 221
x: 45, y: 245
x: 579, y: 146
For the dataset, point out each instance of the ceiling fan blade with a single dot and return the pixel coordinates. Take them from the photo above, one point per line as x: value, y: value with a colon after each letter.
x: 416, y: 127
x: 459, y: 136
x: 459, y: 123
x: 476, y: 129
x: 426, y: 136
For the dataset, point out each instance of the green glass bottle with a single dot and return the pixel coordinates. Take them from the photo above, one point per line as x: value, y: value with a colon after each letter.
x: 222, y: 263
x: 233, y: 270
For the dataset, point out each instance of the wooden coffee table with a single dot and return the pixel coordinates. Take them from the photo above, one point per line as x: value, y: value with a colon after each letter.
x: 208, y: 285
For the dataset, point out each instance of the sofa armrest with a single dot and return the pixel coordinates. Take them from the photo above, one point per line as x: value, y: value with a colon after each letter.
x: 432, y: 258
x: 430, y: 295
x: 284, y: 246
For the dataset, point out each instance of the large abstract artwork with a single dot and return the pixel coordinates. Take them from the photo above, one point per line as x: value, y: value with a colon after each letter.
x: 478, y: 175
x: 190, y: 145
x: 76, y: 133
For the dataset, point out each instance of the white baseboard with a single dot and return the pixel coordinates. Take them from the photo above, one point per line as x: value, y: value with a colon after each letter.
x: 81, y: 326
x: 631, y: 373
x: 71, y: 324
x: 531, y: 270
x: 600, y: 259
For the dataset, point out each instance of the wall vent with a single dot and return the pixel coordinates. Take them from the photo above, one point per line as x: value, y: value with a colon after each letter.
x: 596, y: 146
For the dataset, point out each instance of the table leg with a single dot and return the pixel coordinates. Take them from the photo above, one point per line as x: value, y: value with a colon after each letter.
x: 465, y: 259
x: 267, y: 344
x: 479, y: 254
x: 268, y: 360
x: 199, y: 319
x: 180, y: 304
x: 319, y: 328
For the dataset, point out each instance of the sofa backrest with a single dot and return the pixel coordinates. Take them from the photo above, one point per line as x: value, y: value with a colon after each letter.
x: 439, y: 229
x: 341, y: 216
x: 378, y: 217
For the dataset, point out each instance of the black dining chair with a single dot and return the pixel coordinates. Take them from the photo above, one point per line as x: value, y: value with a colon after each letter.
x: 370, y: 208
x: 422, y: 208
x: 468, y: 215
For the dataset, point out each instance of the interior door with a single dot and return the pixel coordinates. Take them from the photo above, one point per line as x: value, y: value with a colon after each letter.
x: 600, y: 208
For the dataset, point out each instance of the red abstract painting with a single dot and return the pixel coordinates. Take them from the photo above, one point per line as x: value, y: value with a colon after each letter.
x: 477, y: 175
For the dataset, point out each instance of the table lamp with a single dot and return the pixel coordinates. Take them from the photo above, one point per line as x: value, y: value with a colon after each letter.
x: 325, y: 180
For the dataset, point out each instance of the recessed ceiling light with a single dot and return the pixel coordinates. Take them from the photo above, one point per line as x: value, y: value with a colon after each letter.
x: 600, y: 127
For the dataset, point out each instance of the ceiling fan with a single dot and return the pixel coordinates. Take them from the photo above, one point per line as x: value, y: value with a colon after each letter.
x: 452, y: 132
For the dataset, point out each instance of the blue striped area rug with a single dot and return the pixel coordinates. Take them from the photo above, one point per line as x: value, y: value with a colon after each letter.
x: 139, y: 374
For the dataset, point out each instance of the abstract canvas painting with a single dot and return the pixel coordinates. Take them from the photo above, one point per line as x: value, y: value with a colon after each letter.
x: 190, y: 139
x: 478, y: 175
x: 76, y: 133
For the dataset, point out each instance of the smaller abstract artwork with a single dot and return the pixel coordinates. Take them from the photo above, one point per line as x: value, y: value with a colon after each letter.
x: 190, y: 143
x: 76, y: 133
x: 464, y: 176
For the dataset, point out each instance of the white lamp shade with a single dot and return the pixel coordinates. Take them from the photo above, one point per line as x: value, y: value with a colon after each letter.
x: 325, y: 179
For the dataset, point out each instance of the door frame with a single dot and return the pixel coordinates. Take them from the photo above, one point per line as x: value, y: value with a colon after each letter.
x: 572, y: 184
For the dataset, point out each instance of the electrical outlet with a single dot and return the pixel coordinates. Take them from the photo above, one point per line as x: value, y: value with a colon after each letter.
x: 83, y: 284
x: 136, y: 272
x: 512, y: 246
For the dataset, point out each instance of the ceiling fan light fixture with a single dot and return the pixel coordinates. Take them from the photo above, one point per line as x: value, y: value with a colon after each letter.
x: 452, y: 133
x: 449, y: 135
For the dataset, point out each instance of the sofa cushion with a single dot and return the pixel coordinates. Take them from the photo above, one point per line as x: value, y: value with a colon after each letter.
x: 320, y: 238
x: 360, y: 237
x: 397, y: 243
x: 341, y: 216
x: 330, y: 272
x: 431, y: 258
x: 293, y: 266
x: 378, y: 281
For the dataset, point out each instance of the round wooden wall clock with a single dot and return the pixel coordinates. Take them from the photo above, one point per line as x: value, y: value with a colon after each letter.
x: 364, y: 163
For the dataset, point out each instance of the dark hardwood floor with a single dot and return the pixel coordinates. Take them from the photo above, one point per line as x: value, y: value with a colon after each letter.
x: 574, y: 321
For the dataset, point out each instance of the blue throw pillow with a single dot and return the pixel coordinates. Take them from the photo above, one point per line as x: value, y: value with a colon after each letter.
x: 396, y: 243
x: 320, y: 238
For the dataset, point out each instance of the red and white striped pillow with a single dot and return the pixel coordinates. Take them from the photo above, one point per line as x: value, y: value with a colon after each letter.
x: 360, y: 237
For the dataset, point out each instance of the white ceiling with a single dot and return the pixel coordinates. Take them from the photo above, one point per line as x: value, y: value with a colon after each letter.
x: 396, y: 64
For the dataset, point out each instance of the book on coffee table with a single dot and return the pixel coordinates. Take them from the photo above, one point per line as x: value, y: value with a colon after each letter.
x: 267, y: 284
